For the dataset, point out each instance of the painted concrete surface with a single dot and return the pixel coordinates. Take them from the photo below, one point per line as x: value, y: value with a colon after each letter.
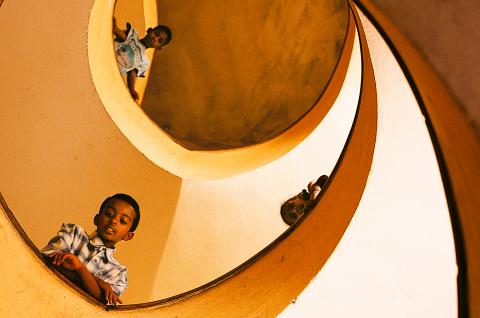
x: 223, y: 206
x: 447, y: 33
x: 255, y: 291
x: 239, y: 73
x: 397, y: 257
x: 62, y: 154
x: 34, y: 165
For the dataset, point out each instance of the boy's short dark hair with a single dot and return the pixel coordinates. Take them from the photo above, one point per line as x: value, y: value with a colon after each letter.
x: 166, y: 29
x: 291, y: 218
x: 131, y: 201
x: 287, y: 217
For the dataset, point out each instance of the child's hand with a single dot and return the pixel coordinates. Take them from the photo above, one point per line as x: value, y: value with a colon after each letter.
x: 120, y: 35
x: 313, y: 189
x: 134, y: 94
x: 65, y: 260
x: 110, y: 296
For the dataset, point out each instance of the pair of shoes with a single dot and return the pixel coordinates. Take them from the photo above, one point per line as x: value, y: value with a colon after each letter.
x: 321, y: 181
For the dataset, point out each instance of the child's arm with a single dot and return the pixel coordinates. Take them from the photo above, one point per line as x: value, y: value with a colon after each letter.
x: 71, y: 263
x: 313, y: 190
x: 120, y: 34
x: 63, y: 241
x: 110, y: 295
x: 92, y: 285
x: 131, y: 80
x: 63, y: 244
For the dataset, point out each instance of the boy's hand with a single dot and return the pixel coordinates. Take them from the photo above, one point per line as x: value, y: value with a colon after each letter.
x: 110, y: 296
x: 134, y: 94
x: 65, y: 260
x: 115, y: 26
x: 119, y: 34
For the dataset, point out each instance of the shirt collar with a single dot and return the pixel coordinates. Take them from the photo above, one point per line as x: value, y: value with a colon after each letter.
x: 142, y: 46
x: 96, y: 241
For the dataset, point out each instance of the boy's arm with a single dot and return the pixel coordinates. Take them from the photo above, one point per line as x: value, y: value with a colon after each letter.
x: 108, y: 292
x: 72, y: 276
x: 63, y: 241
x: 313, y: 190
x: 70, y: 262
x: 89, y: 283
x: 76, y: 271
x: 120, y: 34
x: 131, y: 80
x: 70, y: 266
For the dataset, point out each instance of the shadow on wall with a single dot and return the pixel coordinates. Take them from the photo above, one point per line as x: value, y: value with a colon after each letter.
x: 61, y: 152
x: 239, y: 73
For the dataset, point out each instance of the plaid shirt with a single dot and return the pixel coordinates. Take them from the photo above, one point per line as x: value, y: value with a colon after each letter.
x: 91, y: 251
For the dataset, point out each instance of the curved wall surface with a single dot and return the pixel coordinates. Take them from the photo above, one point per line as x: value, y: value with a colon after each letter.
x: 238, y: 73
x: 61, y: 147
x: 448, y: 36
x: 254, y: 290
x: 63, y: 155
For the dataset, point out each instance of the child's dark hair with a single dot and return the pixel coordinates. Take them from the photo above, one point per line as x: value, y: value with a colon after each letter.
x: 287, y: 217
x: 131, y: 201
x: 292, y: 218
x: 166, y: 29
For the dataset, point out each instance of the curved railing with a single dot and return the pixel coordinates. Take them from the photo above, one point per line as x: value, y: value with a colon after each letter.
x: 265, y: 284
x: 159, y: 147
x: 252, y: 289
x: 458, y: 154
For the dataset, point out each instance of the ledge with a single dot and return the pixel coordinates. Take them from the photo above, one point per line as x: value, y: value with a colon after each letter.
x: 253, y: 289
x: 457, y: 149
x: 156, y: 145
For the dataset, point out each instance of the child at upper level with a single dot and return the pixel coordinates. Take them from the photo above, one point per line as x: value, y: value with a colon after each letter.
x: 130, y: 50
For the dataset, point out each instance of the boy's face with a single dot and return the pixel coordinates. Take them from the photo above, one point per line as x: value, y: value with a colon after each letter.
x: 155, y: 38
x: 296, y: 207
x: 114, y: 222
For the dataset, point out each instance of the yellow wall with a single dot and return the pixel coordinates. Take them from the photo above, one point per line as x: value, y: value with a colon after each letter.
x: 221, y: 223
x: 61, y: 153
x: 130, y: 11
x: 240, y: 72
x: 258, y: 290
